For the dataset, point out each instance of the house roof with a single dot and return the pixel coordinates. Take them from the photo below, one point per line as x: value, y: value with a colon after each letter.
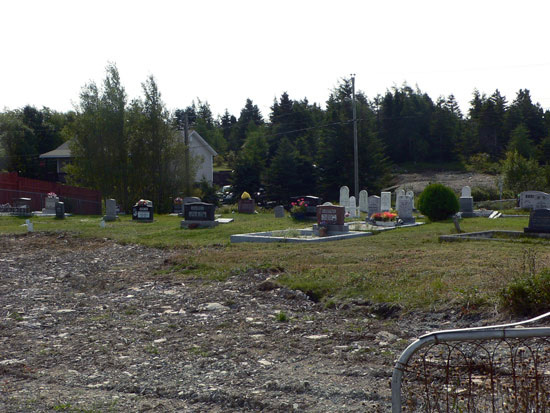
x: 196, y: 140
x: 62, y: 151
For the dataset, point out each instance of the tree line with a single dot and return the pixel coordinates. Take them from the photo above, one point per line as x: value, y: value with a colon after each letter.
x: 133, y: 149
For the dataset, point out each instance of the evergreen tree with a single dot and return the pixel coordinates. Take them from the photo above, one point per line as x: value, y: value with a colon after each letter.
x: 249, y: 114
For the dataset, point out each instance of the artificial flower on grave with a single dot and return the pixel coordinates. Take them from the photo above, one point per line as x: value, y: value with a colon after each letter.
x: 384, y: 216
x: 142, y: 202
x: 52, y: 195
x: 178, y: 201
x: 245, y: 195
x: 298, y: 207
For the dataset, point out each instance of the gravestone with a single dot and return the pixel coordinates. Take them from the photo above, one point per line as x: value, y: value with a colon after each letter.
x: 199, y: 215
x: 60, y: 210
x: 539, y: 221
x: 246, y: 206
x: 110, y: 210
x: 405, y: 209
x: 279, y: 211
x: 364, y: 201
x: 374, y: 205
x: 142, y: 211
x: 22, y: 207
x: 385, y: 201
x: 352, y: 209
x: 534, y: 200
x: 177, y: 206
x: 49, y: 205
x: 411, y: 194
x: 30, y: 225
x: 344, y: 196
x: 466, y: 202
x: 398, y: 193
x: 331, y: 217
x: 191, y: 200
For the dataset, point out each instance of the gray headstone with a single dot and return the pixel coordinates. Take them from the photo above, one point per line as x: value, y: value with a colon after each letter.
x: 466, y: 204
x: 466, y: 192
x: 398, y: 193
x: 385, y: 201
x: 364, y: 201
x: 49, y: 205
x: 374, y: 204
x: 110, y: 210
x: 279, y: 211
x: 534, y: 200
x: 405, y: 208
x: 344, y: 196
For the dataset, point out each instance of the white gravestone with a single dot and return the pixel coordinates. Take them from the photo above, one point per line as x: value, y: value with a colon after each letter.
x: 344, y: 196
x: 374, y: 204
x: 364, y: 201
x: 405, y: 208
x: 534, y: 200
x: 411, y: 194
x: 385, y: 201
x: 398, y: 193
x: 49, y: 205
x: 352, y: 209
x: 466, y: 192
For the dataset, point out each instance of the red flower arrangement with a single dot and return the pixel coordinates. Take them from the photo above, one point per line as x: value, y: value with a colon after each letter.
x: 52, y: 195
x: 298, y: 207
x: 384, y: 216
x: 178, y: 201
x: 143, y: 202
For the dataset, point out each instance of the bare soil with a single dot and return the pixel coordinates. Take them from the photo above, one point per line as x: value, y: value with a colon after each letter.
x: 455, y: 180
x: 92, y: 325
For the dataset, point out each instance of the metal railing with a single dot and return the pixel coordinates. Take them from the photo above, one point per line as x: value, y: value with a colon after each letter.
x: 497, y: 368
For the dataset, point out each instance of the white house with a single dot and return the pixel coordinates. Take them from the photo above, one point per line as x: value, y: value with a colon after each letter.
x: 199, y: 149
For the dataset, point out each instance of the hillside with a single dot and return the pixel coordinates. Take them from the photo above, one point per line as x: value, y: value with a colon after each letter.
x: 455, y: 180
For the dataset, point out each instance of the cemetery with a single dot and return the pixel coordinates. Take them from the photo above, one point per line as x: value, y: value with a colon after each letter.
x: 346, y: 301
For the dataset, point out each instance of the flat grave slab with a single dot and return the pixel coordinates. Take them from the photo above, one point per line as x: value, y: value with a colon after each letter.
x: 294, y: 236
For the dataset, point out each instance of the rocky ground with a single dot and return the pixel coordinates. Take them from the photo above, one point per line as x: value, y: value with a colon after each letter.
x: 455, y: 180
x: 91, y: 325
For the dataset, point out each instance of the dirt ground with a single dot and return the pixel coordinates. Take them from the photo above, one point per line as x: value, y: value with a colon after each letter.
x: 95, y: 326
x: 455, y: 180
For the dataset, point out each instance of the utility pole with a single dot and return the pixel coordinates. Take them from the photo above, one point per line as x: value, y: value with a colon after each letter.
x: 187, y: 160
x: 355, y: 150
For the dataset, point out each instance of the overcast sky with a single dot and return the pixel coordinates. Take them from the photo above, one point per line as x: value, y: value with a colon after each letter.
x: 226, y: 51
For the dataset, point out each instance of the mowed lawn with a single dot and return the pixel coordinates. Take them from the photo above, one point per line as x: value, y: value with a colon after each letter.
x: 408, y: 266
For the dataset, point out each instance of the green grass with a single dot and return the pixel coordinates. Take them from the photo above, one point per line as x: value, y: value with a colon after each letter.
x: 408, y: 266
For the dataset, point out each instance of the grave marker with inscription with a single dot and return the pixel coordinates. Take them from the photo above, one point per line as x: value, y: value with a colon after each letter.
x: 374, y: 205
x: 534, y: 200
x: 199, y: 215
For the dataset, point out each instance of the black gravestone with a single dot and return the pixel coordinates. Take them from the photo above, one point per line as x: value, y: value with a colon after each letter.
x: 60, y: 210
x: 539, y: 221
x: 142, y: 213
x: 199, y: 211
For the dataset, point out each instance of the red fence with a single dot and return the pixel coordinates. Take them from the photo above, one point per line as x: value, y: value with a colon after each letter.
x: 77, y: 200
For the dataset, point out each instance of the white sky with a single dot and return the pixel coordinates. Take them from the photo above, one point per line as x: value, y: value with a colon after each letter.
x: 223, y: 51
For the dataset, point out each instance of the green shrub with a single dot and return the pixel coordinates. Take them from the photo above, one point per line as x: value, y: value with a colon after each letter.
x: 528, y: 295
x: 438, y: 202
